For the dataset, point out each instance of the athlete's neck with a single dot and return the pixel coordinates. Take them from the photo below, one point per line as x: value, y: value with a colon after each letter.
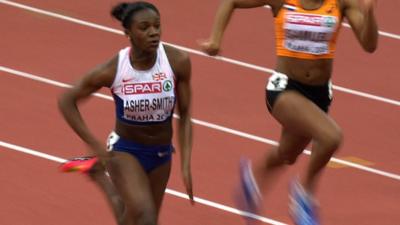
x: 311, y: 4
x: 142, y: 60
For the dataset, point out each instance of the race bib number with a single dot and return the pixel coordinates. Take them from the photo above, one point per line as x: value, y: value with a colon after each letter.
x: 149, y: 110
x: 307, y: 47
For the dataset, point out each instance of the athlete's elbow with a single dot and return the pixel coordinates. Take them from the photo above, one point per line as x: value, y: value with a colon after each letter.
x: 371, y: 48
x: 64, y: 102
x: 231, y: 4
x: 61, y: 103
x: 370, y: 45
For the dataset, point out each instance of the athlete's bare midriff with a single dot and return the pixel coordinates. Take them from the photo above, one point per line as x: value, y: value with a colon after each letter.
x: 311, y: 72
x: 155, y: 134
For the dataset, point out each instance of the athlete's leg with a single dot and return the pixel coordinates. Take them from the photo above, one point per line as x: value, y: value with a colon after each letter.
x: 290, y: 146
x: 301, y: 117
x: 158, y: 182
x: 249, y: 198
x: 133, y: 185
x: 92, y: 167
x: 99, y: 177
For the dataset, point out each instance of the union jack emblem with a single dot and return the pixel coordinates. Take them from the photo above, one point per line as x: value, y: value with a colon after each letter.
x: 159, y: 76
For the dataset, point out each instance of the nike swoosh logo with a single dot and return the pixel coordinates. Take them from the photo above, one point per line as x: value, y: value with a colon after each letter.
x: 162, y: 154
x: 126, y: 80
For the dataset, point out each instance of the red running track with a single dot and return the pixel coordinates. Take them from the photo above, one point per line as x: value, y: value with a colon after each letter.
x: 37, y: 194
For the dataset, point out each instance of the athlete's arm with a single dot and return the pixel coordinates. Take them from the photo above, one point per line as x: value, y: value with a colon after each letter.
x: 224, y: 13
x: 101, y: 76
x: 181, y: 65
x: 360, y: 14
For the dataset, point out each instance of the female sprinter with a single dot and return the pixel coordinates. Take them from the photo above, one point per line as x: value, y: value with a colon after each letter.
x: 299, y: 93
x: 145, y: 79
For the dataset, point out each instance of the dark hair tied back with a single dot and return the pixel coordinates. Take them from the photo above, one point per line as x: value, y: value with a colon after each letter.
x: 118, y: 11
x: 125, y: 11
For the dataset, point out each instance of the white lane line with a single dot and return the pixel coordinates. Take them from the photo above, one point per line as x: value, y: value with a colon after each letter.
x: 366, y: 95
x: 47, y: 81
x: 196, y: 52
x: 383, y: 33
x: 210, y: 125
x: 307, y: 152
x: 227, y: 208
x: 169, y: 191
x: 32, y: 152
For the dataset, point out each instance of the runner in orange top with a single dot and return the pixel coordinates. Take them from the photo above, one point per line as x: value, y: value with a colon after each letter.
x: 299, y: 93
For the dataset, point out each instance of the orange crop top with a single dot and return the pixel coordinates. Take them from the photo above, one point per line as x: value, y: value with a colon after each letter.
x: 307, y: 34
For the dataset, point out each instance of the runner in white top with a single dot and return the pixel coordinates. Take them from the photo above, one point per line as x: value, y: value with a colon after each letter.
x: 146, y: 80
x: 144, y: 96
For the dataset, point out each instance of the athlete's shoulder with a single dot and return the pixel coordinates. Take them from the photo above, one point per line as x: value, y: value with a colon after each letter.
x: 276, y: 6
x: 179, y: 61
x: 277, y: 3
x: 344, y: 4
x: 109, y: 67
x: 176, y: 56
x: 104, y: 74
x: 251, y: 3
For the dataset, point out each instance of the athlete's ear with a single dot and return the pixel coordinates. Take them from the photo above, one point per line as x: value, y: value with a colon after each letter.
x: 127, y: 33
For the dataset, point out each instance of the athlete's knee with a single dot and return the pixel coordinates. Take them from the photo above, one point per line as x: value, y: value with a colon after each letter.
x: 289, y: 153
x: 144, y: 216
x: 147, y: 219
x: 290, y: 160
x: 332, y: 140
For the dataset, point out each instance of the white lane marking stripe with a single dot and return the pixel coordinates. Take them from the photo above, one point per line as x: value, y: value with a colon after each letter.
x: 227, y: 208
x: 224, y: 59
x: 32, y: 152
x: 383, y: 33
x: 366, y: 95
x: 169, y: 191
x: 210, y: 125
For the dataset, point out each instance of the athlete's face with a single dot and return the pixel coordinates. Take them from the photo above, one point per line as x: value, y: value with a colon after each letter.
x: 145, y: 30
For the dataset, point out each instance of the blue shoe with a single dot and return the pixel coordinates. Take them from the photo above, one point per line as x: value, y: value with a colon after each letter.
x: 302, y: 206
x: 251, y: 196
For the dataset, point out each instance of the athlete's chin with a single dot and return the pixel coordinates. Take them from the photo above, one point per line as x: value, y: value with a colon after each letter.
x: 153, y: 45
x: 151, y: 49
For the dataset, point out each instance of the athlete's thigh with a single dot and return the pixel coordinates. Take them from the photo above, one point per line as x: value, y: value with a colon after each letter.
x: 300, y: 116
x: 131, y: 182
x: 158, y: 181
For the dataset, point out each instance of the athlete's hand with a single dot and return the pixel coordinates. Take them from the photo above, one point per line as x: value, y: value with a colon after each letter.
x: 101, y: 152
x: 209, y: 47
x: 187, y: 180
x: 105, y: 158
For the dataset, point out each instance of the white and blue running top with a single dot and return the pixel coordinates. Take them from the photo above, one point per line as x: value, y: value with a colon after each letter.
x: 144, y: 96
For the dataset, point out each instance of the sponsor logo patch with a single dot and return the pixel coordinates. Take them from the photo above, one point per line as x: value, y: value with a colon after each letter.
x: 167, y: 86
x: 142, y: 88
x: 311, y: 20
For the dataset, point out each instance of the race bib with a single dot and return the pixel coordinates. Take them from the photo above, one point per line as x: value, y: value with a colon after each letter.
x: 309, y: 33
